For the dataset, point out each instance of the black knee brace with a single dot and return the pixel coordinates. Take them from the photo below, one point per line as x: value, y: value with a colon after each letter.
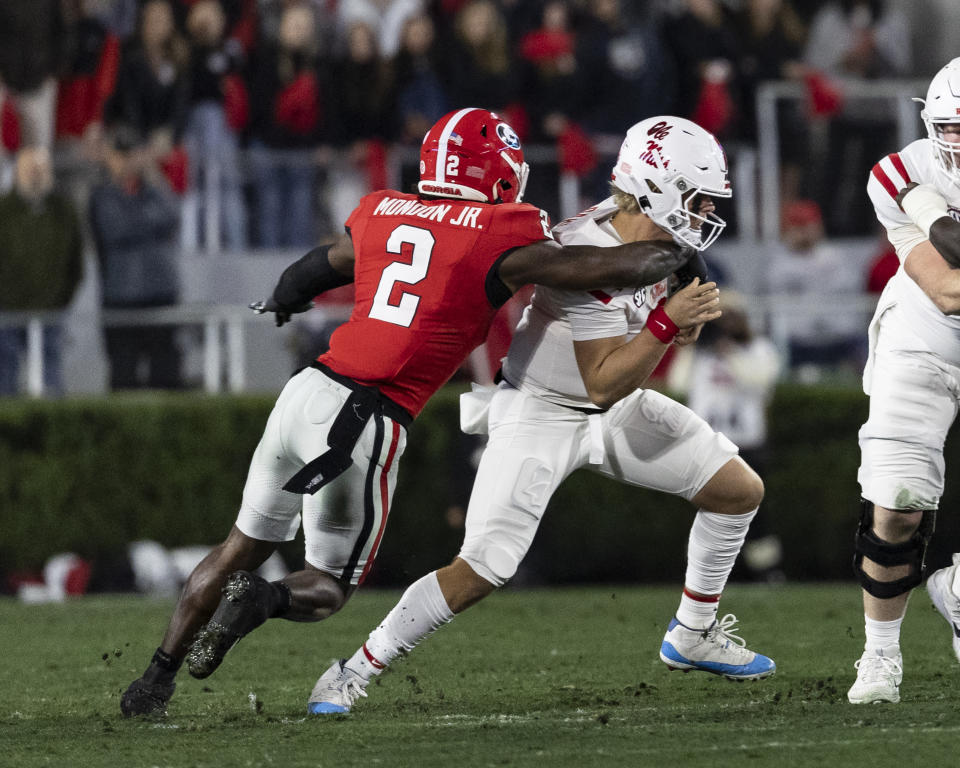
x: 912, y: 552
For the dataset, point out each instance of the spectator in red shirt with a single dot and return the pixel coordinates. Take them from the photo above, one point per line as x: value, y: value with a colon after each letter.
x: 90, y: 77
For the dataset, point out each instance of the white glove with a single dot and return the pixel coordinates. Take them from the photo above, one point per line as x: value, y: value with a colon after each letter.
x: 924, y: 205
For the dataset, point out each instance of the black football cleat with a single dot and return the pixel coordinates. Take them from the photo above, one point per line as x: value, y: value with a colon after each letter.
x: 245, y: 605
x: 143, y: 699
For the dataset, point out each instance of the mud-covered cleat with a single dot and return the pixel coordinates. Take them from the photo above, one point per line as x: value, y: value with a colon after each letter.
x: 878, y: 678
x: 336, y: 691
x: 243, y: 607
x: 940, y: 589
x: 143, y: 699
x: 714, y: 649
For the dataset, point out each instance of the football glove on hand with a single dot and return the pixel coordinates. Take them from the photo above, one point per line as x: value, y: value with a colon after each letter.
x: 282, y: 315
x: 923, y: 203
x: 695, y: 267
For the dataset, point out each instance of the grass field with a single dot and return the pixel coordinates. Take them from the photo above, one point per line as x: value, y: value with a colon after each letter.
x: 528, y: 678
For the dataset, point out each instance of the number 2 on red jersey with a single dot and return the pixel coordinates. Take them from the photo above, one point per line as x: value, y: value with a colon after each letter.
x: 403, y: 312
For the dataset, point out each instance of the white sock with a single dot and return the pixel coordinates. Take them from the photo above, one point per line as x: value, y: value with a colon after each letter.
x: 421, y: 610
x: 697, y: 612
x: 714, y: 543
x: 882, y: 635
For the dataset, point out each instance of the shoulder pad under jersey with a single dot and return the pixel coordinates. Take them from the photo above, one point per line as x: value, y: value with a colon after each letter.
x: 522, y: 219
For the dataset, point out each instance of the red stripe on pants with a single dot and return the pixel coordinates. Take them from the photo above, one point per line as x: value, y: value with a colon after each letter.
x: 384, y: 499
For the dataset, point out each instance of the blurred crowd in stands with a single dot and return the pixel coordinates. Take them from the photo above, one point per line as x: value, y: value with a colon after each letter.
x: 202, y: 79
x: 290, y: 107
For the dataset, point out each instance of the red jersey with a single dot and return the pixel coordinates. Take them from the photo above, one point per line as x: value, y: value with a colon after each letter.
x: 420, y: 272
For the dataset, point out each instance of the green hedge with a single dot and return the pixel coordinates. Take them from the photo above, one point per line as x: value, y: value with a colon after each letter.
x: 90, y: 475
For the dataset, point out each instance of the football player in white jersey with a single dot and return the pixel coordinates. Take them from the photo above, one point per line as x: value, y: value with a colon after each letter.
x: 570, y: 397
x: 913, y: 379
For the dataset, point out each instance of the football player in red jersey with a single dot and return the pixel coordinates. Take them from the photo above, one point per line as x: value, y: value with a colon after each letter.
x: 430, y: 271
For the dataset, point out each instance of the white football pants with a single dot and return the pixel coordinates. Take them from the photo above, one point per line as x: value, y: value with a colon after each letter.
x: 343, y: 522
x: 646, y: 439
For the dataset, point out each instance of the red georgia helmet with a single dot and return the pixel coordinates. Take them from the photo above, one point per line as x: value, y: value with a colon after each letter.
x: 472, y: 154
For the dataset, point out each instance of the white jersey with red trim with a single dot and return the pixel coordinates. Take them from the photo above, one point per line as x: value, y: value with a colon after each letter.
x: 541, y: 360
x: 919, y: 325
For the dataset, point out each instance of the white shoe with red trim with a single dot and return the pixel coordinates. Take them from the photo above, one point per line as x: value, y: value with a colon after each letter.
x: 336, y: 691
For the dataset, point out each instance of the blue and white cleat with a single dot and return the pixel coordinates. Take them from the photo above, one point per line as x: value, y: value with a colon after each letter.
x: 714, y: 649
x: 940, y: 589
x: 336, y: 690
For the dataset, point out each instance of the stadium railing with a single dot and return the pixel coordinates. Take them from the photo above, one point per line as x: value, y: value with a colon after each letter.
x: 225, y: 344
x: 896, y: 94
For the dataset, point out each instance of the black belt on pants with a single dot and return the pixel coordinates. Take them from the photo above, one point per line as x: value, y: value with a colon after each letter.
x: 346, y: 429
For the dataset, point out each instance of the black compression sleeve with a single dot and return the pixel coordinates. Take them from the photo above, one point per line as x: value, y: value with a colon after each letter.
x: 945, y: 237
x: 306, y: 278
x: 497, y: 292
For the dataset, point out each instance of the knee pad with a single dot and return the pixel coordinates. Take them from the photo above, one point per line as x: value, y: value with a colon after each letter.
x: 911, y: 552
x: 497, y: 539
x: 497, y: 554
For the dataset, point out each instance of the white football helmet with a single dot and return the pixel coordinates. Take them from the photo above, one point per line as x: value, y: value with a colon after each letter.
x: 942, y: 106
x: 666, y: 162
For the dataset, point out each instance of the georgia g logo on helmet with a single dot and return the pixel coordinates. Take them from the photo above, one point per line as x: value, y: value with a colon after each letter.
x: 508, y: 136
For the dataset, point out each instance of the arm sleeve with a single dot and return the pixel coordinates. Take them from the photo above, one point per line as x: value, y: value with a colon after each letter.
x: 306, y: 278
x: 497, y: 291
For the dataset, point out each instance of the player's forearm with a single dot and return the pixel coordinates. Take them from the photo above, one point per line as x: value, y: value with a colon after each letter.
x: 927, y: 268
x: 625, y: 369
x: 309, y: 276
x: 946, y: 296
x: 929, y: 211
x: 641, y: 263
x: 584, y: 267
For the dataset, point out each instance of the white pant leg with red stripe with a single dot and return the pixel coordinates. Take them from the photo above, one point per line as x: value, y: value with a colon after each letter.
x: 343, y: 523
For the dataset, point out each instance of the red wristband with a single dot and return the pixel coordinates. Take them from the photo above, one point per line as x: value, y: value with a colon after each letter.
x: 661, y: 325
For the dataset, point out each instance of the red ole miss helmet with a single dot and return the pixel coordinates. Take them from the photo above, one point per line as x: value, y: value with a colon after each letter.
x: 472, y: 154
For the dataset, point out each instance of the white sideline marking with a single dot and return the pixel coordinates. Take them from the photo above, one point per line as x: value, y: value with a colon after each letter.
x: 581, y: 716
